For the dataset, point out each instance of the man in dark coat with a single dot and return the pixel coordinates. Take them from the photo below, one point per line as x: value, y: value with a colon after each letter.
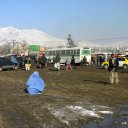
x: 84, y: 61
x: 113, y: 68
x: 73, y: 63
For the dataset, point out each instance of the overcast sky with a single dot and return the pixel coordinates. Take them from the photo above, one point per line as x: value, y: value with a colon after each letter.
x: 83, y: 19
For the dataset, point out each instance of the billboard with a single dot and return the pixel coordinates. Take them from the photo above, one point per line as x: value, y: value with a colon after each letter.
x: 34, y: 48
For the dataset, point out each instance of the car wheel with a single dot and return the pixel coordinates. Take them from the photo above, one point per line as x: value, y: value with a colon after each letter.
x: 106, y: 66
x: 0, y: 69
x: 125, y: 67
x: 15, y: 68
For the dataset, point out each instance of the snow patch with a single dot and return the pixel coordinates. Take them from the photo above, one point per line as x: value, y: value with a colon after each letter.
x: 106, y: 112
x: 72, y: 113
x: 83, y: 111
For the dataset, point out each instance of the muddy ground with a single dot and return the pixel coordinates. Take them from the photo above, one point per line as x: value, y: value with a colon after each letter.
x: 81, y: 98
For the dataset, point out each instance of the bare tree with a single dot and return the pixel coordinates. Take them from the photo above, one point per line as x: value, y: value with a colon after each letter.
x: 5, y: 48
x: 70, y: 42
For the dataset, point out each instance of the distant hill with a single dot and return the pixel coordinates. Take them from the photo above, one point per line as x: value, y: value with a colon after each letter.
x: 30, y: 36
x: 37, y: 37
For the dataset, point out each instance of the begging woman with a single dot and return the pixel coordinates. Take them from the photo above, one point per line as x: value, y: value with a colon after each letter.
x: 35, y: 84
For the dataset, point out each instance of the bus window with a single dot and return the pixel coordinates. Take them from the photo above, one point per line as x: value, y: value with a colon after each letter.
x: 62, y: 52
x: 72, y: 52
x: 50, y: 53
x: 68, y: 52
x: 78, y: 51
x: 47, y: 53
x: 53, y: 53
x: 75, y: 52
x: 57, y: 52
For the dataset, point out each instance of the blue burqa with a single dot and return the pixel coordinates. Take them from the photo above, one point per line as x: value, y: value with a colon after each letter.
x: 35, y: 84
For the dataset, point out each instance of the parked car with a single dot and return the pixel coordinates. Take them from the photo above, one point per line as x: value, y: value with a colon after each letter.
x: 6, y: 63
x: 12, y: 57
x: 123, y: 63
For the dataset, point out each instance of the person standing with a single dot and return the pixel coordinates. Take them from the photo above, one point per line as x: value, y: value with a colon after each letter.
x: 100, y: 60
x: 68, y: 64
x: 113, y: 68
x: 73, y: 63
x: 28, y: 64
x: 54, y: 61
x: 58, y: 58
x: 84, y: 61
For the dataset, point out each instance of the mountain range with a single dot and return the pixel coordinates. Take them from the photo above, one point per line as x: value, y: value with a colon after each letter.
x: 37, y: 37
x: 30, y: 36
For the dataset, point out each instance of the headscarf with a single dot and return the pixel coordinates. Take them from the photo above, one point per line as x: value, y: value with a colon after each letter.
x: 35, y: 81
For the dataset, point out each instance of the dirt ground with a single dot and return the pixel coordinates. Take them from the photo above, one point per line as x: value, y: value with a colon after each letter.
x: 71, y: 99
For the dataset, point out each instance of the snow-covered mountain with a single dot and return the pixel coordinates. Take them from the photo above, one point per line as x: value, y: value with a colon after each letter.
x: 30, y: 36
x: 37, y: 37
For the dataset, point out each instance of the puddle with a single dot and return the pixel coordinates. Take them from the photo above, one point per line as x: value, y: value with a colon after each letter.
x: 72, y: 114
x: 119, y: 119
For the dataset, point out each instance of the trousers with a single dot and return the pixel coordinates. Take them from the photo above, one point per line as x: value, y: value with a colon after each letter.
x: 114, y: 77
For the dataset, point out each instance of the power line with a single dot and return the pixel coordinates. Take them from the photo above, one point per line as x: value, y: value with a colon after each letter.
x: 110, y: 39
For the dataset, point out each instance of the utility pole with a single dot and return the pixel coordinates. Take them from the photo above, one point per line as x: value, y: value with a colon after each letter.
x: 13, y: 42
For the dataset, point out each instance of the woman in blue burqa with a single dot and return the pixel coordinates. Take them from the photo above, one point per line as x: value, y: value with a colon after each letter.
x: 35, y: 84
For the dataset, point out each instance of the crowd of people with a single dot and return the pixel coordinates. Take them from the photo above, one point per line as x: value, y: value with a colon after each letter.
x: 25, y: 62
x: 35, y: 84
x: 70, y: 63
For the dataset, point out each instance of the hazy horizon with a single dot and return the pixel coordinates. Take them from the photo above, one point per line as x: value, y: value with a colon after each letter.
x: 83, y: 19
